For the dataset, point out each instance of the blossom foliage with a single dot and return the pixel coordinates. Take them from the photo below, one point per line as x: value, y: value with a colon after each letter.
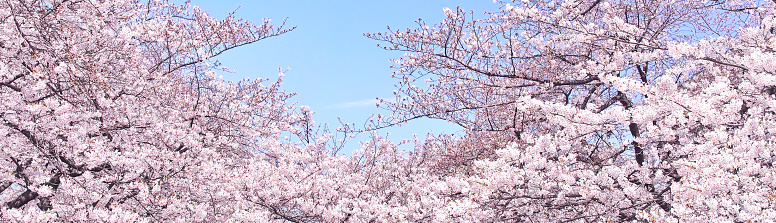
x: 572, y: 110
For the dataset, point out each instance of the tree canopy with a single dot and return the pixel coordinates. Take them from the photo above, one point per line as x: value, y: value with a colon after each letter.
x: 574, y: 111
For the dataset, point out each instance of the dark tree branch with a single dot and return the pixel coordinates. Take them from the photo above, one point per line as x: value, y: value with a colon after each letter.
x: 23, y: 199
x: 591, y: 7
x: 642, y: 72
x: 634, y: 128
x: 4, y: 186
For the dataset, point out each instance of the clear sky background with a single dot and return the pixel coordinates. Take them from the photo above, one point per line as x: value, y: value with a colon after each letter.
x: 335, y: 69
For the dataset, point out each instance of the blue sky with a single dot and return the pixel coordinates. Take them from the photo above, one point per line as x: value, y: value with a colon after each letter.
x: 334, y: 69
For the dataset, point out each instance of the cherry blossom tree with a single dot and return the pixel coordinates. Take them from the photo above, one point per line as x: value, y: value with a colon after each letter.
x: 574, y: 111
x: 596, y: 110
x: 111, y: 111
